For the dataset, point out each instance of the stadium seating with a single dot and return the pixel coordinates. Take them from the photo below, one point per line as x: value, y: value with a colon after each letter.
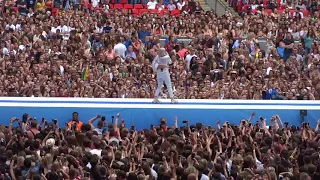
x: 127, y: 6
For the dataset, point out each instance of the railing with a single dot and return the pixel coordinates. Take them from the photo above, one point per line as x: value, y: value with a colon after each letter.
x: 143, y: 113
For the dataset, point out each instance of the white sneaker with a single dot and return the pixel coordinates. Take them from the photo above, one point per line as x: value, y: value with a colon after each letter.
x: 155, y: 101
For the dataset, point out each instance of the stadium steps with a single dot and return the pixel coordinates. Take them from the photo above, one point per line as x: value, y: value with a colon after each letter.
x: 219, y: 6
x: 204, y: 5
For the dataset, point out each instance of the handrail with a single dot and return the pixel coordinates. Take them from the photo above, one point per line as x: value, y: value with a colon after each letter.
x: 230, y: 9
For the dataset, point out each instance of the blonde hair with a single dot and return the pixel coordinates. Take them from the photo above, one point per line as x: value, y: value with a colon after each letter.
x: 48, y: 159
x: 20, y: 161
x: 237, y: 159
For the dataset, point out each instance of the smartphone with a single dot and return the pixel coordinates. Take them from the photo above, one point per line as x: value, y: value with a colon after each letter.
x: 261, y: 118
x: 54, y: 121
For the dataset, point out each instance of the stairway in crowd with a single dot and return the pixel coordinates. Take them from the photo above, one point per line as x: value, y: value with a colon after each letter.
x: 204, y: 5
x: 219, y: 6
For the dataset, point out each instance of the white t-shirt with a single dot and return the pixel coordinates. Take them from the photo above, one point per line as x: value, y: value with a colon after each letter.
x: 188, y: 59
x: 96, y: 152
x: 171, y: 7
x: 5, y: 51
x: 180, y: 5
x: 120, y: 50
x: 204, y: 177
x: 53, y: 29
x: 95, y: 3
x: 152, y: 4
x: 295, y: 14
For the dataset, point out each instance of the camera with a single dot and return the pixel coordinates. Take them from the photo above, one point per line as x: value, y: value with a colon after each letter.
x: 185, y: 121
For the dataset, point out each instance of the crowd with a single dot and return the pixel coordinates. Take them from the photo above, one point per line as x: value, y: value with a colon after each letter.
x: 97, y: 49
x: 252, y: 149
x: 76, y: 51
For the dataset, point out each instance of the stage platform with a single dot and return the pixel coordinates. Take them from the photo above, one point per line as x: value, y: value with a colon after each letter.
x: 143, y: 113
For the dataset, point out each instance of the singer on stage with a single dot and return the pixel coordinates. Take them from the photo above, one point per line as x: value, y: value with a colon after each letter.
x: 160, y: 64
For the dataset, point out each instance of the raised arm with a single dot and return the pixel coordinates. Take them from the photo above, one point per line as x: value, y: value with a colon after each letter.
x: 176, y: 122
x: 317, y: 127
x: 93, y: 119
x: 116, y: 122
x: 280, y: 121
x: 251, y: 117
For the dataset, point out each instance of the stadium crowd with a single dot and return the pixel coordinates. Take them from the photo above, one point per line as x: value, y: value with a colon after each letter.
x: 104, y: 49
x: 250, y: 150
x: 52, y: 49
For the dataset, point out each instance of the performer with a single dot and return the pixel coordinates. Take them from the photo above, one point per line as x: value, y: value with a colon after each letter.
x: 160, y: 64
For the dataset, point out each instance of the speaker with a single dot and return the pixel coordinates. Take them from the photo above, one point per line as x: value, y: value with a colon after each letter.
x: 303, y: 113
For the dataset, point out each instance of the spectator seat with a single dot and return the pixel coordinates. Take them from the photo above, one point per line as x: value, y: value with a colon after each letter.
x: 280, y: 11
x: 175, y: 12
x: 138, y: 6
x: 154, y: 11
x: 127, y: 6
x: 141, y: 11
x: 265, y: 2
x: 268, y: 11
x: 118, y: 6
x: 306, y: 12
x: 135, y: 12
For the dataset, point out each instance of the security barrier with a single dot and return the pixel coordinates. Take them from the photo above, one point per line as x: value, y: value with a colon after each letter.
x: 143, y: 113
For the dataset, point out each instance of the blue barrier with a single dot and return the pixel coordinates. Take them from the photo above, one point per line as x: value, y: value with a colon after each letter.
x: 143, y: 113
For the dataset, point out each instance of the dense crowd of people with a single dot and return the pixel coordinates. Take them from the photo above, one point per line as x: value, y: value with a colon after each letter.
x: 252, y: 149
x: 81, y: 52
x: 96, y: 49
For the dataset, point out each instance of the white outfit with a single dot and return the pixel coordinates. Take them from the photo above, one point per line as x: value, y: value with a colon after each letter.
x: 188, y: 59
x: 120, y: 50
x: 180, y: 5
x: 152, y: 4
x: 163, y: 75
x: 96, y: 152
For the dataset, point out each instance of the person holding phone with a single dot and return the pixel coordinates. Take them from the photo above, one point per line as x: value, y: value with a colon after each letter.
x: 160, y: 64
x: 33, y: 131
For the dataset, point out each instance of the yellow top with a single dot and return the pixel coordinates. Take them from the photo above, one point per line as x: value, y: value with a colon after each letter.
x: 41, y: 6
